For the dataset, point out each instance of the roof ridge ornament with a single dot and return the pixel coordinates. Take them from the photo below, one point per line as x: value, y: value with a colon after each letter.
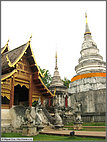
x: 43, y: 75
x: 30, y: 38
x: 6, y: 46
x: 7, y: 41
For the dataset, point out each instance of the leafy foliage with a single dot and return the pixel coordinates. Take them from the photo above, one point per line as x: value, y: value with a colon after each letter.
x: 47, y: 77
x: 34, y: 103
x: 66, y: 82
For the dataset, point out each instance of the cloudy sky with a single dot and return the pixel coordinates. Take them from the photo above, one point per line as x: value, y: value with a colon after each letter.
x: 54, y: 25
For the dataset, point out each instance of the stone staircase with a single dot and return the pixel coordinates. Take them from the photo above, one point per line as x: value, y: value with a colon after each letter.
x: 49, y: 117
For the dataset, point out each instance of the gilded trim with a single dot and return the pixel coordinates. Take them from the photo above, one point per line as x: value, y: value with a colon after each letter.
x: 21, y: 84
x: 87, y: 33
x: 12, y: 64
x: 46, y: 87
x: 9, y: 63
x: 15, y: 62
x: 6, y: 95
x: 35, y: 99
x: 55, y: 92
x: 6, y: 46
x: 39, y: 72
x: 3, y: 77
x: 44, y: 74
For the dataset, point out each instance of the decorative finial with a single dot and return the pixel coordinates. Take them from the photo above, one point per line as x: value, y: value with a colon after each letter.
x: 56, y: 61
x: 30, y: 37
x: 56, y: 55
x: 8, y: 41
x: 87, y: 30
x: 86, y: 17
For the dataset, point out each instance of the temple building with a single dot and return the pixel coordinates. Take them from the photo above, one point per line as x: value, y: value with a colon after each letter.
x: 61, y: 96
x: 21, y: 80
x: 88, y: 86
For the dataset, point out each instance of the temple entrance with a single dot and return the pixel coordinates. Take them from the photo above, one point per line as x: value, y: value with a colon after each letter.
x: 21, y: 95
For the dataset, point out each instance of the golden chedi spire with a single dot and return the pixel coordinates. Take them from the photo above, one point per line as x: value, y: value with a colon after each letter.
x: 86, y: 17
x: 87, y: 30
x: 56, y: 67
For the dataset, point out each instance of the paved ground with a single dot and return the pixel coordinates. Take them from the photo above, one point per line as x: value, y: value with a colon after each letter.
x: 89, y: 126
x: 77, y: 133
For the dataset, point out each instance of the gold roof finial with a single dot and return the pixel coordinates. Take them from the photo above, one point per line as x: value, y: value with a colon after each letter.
x: 86, y: 17
x: 56, y: 54
x: 8, y: 41
x: 56, y: 61
x: 30, y: 37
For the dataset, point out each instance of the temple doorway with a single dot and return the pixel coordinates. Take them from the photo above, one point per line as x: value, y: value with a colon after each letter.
x: 21, y: 95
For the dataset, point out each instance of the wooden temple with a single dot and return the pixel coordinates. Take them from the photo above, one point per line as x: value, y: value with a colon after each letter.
x: 21, y: 79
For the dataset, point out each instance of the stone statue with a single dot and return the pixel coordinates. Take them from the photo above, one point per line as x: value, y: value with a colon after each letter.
x: 79, y: 107
x: 78, y: 112
x: 33, y: 114
x: 78, y: 117
x: 58, y: 118
x: 29, y: 128
x: 39, y: 102
x: 28, y: 117
x: 38, y: 117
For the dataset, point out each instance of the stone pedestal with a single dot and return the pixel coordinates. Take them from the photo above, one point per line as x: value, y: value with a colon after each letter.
x: 29, y: 130
x: 58, y: 126
x: 40, y: 128
x: 78, y: 126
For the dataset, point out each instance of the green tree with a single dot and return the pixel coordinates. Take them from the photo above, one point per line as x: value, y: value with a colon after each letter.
x: 66, y: 82
x: 47, y: 77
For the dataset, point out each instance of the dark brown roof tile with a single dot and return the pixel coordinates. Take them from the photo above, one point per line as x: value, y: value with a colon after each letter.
x: 13, y: 55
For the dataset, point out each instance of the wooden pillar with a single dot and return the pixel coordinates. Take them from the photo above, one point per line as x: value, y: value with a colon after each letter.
x: 49, y: 102
x: 30, y: 91
x: 41, y: 100
x: 66, y: 101
x: 12, y: 92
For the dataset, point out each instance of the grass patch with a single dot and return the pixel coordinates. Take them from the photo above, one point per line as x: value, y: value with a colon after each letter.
x: 44, y: 137
x: 94, y: 124
x: 89, y: 124
x: 11, y: 135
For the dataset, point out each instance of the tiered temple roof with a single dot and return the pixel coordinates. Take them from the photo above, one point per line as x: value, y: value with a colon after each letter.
x: 10, y: 59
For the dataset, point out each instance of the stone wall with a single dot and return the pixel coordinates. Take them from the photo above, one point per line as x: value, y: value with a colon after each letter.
x: 68, y: 118
x: 93, y: 104
x: 87, y: 84
x: 93, y: 117
x: 5, y: 118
